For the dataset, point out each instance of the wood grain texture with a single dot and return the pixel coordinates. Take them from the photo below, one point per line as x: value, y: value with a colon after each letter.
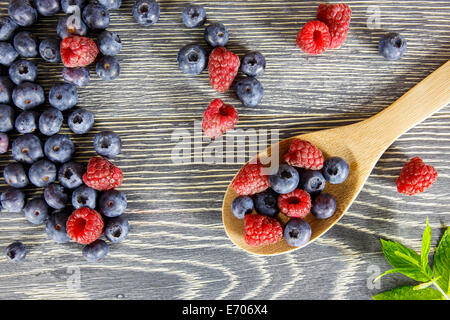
x: 177, y: 247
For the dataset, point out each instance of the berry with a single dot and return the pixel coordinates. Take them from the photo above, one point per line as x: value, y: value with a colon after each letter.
x: 95, y: 251
x: 84, y: 197
x: 107, y: 68
x: 4, y: 143
x: 312, y: 181
x: 304, y: 154
x: 261, y: 230
x: 285, y: 179
x: 109, y: 43
x: 6, y: 118
x: 223, y: 66
x: 66, y: 4
x: 27, y: 148
x: 15, y: 175
x: 47, y: 8
x: 28, y: 95
x: 392, y: 46
x: 16, y: 252
x: 68, y: 26
x: 111, y: 4
x: 216, y: 35
x: 335, y: 170
x: 241, y: 206
x: 112, y: 203
x: 416, y: 177
x: 250, y: 91
x: 22, y: 12
x: 6, y: 89
x: 63, y: 96
x: 295, y: 204
x: 77, y: 76
x: 117, y: 229
x: 297, y: 232
x: 36, y: 211
x: 146, y: 12
x: 59, y: 148
x: 7, y: 54
x: 85, y: 225
x: 107, y: 144
x: 218, y: 118
x: 337, y: 18
x: 70, y: 175
x: 266, y: 203
x: 96, y: 16
x: 26, y: 44
x: 13, y: 200
x: 80, y: 121
x: 324, y: 206
x: 26, y: 122
x: 7, y: 28
x: 77, y: 51
x: 49, y: 50
x: 50, y: 121
x: 253, y: 64
x: 192, y: 59
x: 55, y: 196
x: 56, y: 227
x: 193, y: 16
x: 102, y: 175
x: 251, y: 179
x: 314, y: 37
x: 22, y: 71
x: 42, y: 173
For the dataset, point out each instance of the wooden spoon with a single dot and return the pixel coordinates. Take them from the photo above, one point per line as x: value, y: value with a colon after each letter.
x: 361, y: 145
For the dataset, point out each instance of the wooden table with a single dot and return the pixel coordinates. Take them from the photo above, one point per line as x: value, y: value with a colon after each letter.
x: 177, y: 247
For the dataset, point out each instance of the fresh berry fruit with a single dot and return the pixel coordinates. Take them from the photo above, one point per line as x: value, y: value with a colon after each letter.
x: 102, y: 175
x: 67, y: 4
x: 216, y: 35
x: 107, y: 144
x: 109, y: 43
x: 50, y: 121
x: 79, y: 77
x: 22, y: 12
x: 6, y: 89
x: 4, y: 143
x: 49, y: 50
x: 218, y: 118
x: 63, y: 96
x: 107, y: 68
x: 80, y: 121
x: 13, y: 200
x: 27, y: 148
x: 26, y: 44
x: 26, y: 122
x: 59, y: 148
x: 261, y: 230
x: 314, y: 38
x: 295, y: 204
x: 56, y: 227
x: 297, y: 232
x: 47, y: 8
x: 324, y: 206
x: 22, y: 71
x: 112, y: 203
x: 6, y: 118
x: 16, y: 252
x: 42, y: 173
x: 15, y: 175
x: 55, y: 196
x: 193, y: 16
x: 96, y: 16
x: 392, y: 46
x: 250, y: 91
x: 223, y: 66
x: 304, y: 154
x: 84, y: 197
x: 95, y: 251
x: 7, y: 54
x: 192, y: 59
x: 285, y: 179
x: 111, y: 4
x: 28, y: 95
x: 85, y: 225
x: 70, y: 175
x: 335, y: 170
x: 266, y: 203
x: 69, y: 26
x: 77, y: 51
x: 253, y: 64
x: 337, y: 18
x: 7, y: 28
x: 117, y: 229
x: 416, y: 177
x: 241, y: 206
x: 146, y: 12
x: 36, y: 211
x: 312, y: 181
x: 251, y: 179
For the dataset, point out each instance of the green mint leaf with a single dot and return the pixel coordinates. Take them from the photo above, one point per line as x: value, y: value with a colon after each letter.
x: 425, y: 284
x: 408, y: 293
x: 426, y: 242
x: 442, y: 262
x: 405, y: 271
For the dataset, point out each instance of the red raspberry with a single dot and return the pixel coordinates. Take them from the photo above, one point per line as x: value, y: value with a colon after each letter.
x: 219, y: 118
x: 337, y: 18
x: 251, y: 179
x: 416, y: 177
x: 261, y: 230
x: 304, y: 154
x: 102, y: 174
x: 295, y: 204
x: 78, y: 51
x: 314, y: 38
x: 223, y: 66
x: 85, y: 225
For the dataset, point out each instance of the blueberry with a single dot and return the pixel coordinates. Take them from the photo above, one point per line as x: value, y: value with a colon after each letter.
x: 22, y: 71
x: 13, y: 200
x: 70, y: 175
x: 66, y: 4
x: 112, y: 203
x: 15, y: 175
x: 36, y: 211
x: 392, y: 46
x: 285, y: 179
x: 22, y: 12
x: 4, y: 143
x: 111, y: 4
x: 216, y: 35
x: 50, y: 121
x: 68, y: 26
x: 335, y: 170
x: 107, y: 144
x: 241, y: 206
x: 26, y: 44
x: 250, y: 91
x: 77, y: 76
x: 6, y: 118
x: 146, y: 12
x: 109, y: 43
x: 55, y: 196
x: 26, y: 122
x: 96, y: 251
x: 63, y: 96
x: 27, y: 148
x: 49, y: 50
x: 56, y: 227
x: 7, y: 54
x: 323, y: 206
x: 47, y: 8
x: 297, y: 232
x: 80, y: 121
x: 59, y: 148
x: 28, y: 95
x: 266, y: 203
x: 16, y: 252
x: 192, y: 59
x: 84, y: 196
x: 107, y: 68
x: 7, y: 28
x: 312, y: 181
x: 253, y: 64
x: 42, y: 173
x: 96, y: 16
x: 116, y: 229
x: 193, y: 16
x: 6, y: 89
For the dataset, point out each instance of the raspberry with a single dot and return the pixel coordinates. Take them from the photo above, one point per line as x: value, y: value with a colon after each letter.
x: 85, y: 225
x: 218, y: 118
x: 337, y: 18
x: 416, y: 177
x: 102, y: 175
x: 261, y: 230
x: 304, y: 154
x: 251, y: 179
x: 295, y: 204
x: 314, y: 38
x: 223, y: 65
x: 78, y: 51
